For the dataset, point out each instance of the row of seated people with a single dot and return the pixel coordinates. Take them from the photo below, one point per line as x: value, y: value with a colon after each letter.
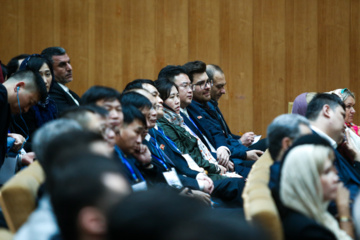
x: 164, y: 133
x: 208, y: 173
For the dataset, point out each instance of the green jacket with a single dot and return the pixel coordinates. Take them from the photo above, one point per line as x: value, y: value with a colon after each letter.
x: 187, y: 144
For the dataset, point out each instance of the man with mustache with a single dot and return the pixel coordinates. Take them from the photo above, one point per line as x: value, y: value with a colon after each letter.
x: 61, y: 94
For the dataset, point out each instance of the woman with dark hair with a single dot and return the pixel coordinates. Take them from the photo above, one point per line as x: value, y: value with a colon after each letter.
x: 188, y: 143
x: 26, y: 123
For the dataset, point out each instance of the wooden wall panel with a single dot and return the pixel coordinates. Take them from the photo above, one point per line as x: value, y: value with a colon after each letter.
x: 270, y: 51
x: 236, y: 60
x: 333, y: 48
x: 301, y: 47
x: 171, y: 39
x: 355, y: 53
x: 268, y: 62
x: 204, y: 30
x: 71, y: 27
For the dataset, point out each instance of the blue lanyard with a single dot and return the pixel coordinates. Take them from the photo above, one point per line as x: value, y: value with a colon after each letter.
x: 128, y: 165
x: 194, y: 124
x: 170, y: 141
x: 162, y: 162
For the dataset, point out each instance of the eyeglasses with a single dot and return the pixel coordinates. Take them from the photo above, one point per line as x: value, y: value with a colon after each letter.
x: 202, y: 84
x: 186, y: 85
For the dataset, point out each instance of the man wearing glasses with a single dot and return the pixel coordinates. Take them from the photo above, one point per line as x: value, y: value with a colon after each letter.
x: 207, y: 120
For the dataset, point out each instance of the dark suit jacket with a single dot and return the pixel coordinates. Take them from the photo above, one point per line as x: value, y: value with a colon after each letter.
x: 61, y: 98
x: 207, y: 121
x: 186, y: 181
x: 5, y: 114
x: 298, y: 226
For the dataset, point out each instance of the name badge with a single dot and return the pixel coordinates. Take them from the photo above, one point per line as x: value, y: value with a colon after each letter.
x: 172, y: 178
x: 192, y: 164
x: 141, y: 186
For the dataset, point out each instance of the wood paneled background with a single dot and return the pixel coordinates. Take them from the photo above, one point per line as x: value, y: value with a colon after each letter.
x: 270, y: 50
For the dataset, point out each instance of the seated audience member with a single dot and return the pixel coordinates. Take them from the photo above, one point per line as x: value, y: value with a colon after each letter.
x: 83, y: 189
x: 108, y: 98
x: 26, y: 123
x: 128, y: 145
x: 206, y: 120
x: 93, y: 118
x: 308, y: 182
x: 326, y: 113
x: 281, y: 133
x: 216, y: 74
x: 17, y: 95
x: 161, y: 171
x: 301, y: 101
x: 146, y: 215
x: 42, y: 223
x: 61, y: 94
x: 178, y: 75
x: 187, y: 141
x: 14, y: 64
x: 352, y: 130
x: 226, y: 192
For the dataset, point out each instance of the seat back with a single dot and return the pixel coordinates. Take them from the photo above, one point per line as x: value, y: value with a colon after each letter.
x: 18, y: 195
x: 259, y: 206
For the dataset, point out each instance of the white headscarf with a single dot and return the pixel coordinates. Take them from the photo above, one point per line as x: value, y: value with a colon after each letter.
x: 300, y: 186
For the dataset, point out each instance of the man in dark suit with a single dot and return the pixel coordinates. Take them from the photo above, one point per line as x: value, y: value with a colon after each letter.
x: 326, y: 113
x: 216, y: 74
x: 60, y: 93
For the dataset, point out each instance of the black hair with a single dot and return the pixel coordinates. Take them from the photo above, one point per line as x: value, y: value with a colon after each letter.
x: 74, y: 112
x: 35, y: 61
x: 319, y: 100
x: 38, y: 81
x: 53, y: 51
x: 79, y: 184
x: 135, y: 99
x: 131, y: 113
x: 96, y: 93
x: 13, y: 64
x: 171, y: 71
x: 164, y: 86
x: 194, y: 67
x: 4, y: 70
x: 71, y: 143
x: 137, y: 84
x: 211, y: 69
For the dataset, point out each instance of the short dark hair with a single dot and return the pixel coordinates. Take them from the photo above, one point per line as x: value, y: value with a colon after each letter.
x: 135, y: 99
x: 67, y: 143
x: 131, y: 113
x: 80, y: 184
x: 3, y: 70
x: 13, y: 64
x: 137, y: 84
x: 81, y: 114
x: 211, y: 69
x: 316, y: 104
x: 53, y: 51
x: 164, y: 87
x: 194, y: 67
x: 285, y: 125
x: 35, y: 61
x: 34, y: 77
x: 96, y: 93
x: 171, y: 71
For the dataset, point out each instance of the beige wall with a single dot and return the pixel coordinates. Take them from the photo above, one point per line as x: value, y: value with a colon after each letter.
x: 270, y: 50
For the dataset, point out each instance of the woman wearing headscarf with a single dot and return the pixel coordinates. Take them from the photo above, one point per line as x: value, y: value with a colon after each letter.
x: 308, y: 183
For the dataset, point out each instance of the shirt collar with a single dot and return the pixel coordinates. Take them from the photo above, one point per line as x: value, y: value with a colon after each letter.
x: 324, y: 135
